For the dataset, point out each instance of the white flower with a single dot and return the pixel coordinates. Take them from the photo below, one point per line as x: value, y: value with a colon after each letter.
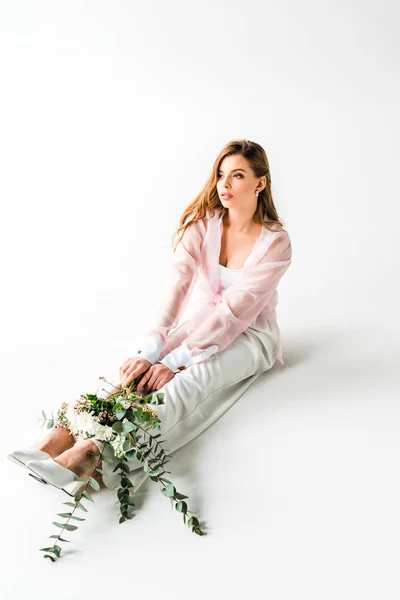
x: 117, y: 443
x: 126, y: 404
x: 86, y: 424
x: 102, y: 432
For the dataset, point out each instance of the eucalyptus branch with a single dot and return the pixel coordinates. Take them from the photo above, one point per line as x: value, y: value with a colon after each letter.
x: 55, y: 549
x: 121, y: 419
x: 170, y: 491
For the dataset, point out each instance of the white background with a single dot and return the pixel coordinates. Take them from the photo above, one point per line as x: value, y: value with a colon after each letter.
x: 112, y: 114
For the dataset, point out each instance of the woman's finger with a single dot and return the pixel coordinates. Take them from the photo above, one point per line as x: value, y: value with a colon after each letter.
x: 130, y: 362
x: 125, y: 364
x: 128, y: 376
x: 131, y: 375
x: 143, y: 380
x: 165, y: 379
x: 152, y: 381
x: 124, y: 372
x: 156, y: 384
x: 162, y: 381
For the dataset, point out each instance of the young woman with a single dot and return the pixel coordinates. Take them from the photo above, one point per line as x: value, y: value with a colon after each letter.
x: 233, y: 250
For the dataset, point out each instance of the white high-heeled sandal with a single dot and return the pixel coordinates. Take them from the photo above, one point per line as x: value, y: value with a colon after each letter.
x: 21, y: 457
x: 56, y: 475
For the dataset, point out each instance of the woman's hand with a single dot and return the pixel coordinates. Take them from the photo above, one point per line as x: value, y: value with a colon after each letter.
x: 157, y: 376
x: 132, y: 368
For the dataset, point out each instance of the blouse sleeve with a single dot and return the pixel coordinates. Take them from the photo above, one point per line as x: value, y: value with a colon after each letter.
x: 240, y: 305
x: 180, y: 281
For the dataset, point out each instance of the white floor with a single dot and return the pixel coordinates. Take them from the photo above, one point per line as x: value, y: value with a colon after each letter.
x: 297, y: 485
x: 114, y: 113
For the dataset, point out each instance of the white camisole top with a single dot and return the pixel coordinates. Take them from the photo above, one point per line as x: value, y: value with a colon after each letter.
x: 228, y: 277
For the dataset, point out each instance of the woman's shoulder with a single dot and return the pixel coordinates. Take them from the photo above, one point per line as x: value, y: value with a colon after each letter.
x: 274, y: 227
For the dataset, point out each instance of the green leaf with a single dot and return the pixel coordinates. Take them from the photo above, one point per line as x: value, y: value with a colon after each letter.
x: 117, y: 427
x: 69, y: 527
x: 56, y: 550
x: 181, y: 506
x: 79, y: 505
x: 69, y: 503
x: 157, y: 398
x: 131, y: 454
x: 88, y: 496
x: 156, y: 471
x: 123, y: 466
x: 122, y: 492
x: 50, y: 424
x: 164, y: 480
x: 50, y: 549
x: 44, y: 415
x: 122, y: 519
x: 64, y: 515
x: 77, y: 518
x: 127, y: 500
x: 179, y: 496
x: 145, y: 466
x: 50, y: 557
x: 169, y: 491
x: 120, y: 412
x: 128, y: 426
x: 126, y: 482
x: 66, y: 526
x: 57, y: 537
x: 94, y: 484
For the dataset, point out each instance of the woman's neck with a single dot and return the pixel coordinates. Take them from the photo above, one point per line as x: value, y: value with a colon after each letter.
x: 239, y: 221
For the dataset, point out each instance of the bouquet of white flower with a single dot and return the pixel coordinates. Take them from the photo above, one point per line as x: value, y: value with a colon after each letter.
x: 121, y: 419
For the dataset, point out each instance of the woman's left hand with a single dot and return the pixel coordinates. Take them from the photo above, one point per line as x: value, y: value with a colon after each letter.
x: 155, y: 377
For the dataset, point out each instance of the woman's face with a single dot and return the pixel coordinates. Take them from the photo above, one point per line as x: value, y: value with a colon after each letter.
x: 237, y: 179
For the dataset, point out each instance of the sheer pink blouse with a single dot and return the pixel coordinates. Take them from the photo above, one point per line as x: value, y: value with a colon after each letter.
x: 217, y: 319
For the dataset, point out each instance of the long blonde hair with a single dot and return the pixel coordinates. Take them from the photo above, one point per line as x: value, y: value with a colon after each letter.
x: 208, y: 197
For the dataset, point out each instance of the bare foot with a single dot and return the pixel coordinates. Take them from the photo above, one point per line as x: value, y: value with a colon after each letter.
x: 56, y: 442
x: 75, y: 459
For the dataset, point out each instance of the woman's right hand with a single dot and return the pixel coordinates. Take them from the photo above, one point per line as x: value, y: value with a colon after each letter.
x: 132, y: 368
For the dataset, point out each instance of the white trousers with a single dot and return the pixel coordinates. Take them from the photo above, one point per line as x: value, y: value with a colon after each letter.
x: 196, y: 397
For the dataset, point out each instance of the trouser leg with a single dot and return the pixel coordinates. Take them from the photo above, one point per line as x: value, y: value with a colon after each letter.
x: 197, y: 397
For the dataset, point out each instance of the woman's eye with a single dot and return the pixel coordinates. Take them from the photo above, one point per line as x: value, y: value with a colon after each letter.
x: 239, y: 174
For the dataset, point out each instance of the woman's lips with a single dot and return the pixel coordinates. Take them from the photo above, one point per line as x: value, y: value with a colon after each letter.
x: 226, y: 196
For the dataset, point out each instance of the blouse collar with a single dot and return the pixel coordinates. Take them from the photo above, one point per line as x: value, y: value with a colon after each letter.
x: 258, y: 248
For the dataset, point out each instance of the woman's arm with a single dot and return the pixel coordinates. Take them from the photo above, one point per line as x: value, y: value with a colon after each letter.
x: 180, y: 281
x: 239, y: 307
